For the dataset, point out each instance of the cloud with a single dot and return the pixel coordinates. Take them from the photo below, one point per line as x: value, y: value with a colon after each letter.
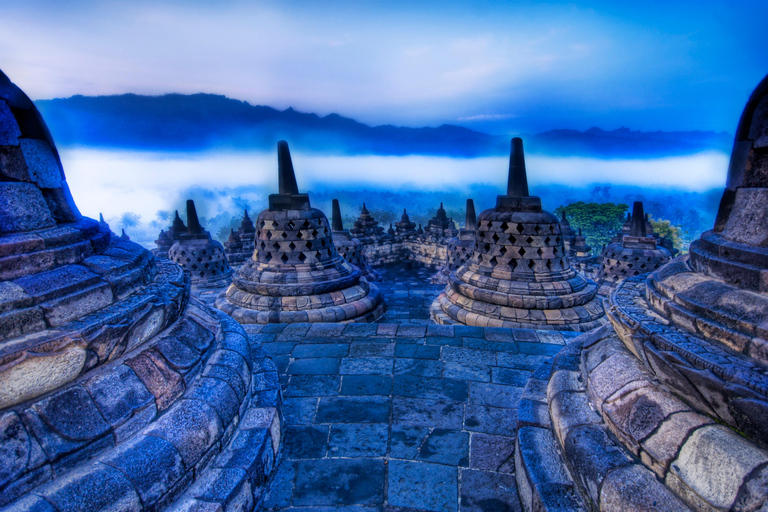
x: 411, y: 63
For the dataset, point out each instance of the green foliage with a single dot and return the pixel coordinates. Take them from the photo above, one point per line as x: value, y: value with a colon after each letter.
x: 599, y: 222
x: 664, y: 228
x: 222, y: 235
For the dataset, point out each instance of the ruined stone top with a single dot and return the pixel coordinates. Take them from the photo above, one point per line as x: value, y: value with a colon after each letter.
x: 177, y: 228
x: 288, y: 197
x: 366, y: 225
x: 638, y: 236
x: 246, y: 225
x: 470, y: 222
x: 440, y: 222
x: 405, y: 225
x: 580, y: 244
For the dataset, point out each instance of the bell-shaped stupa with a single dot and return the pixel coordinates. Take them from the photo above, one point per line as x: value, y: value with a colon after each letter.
x: 118, y: 389
x: 666, y: 409
x: 350, y: 248
x: 200, y: 255
x: 519, y: 275
x: 637, y: 253
x: 460, y: 248
x: 295, y: 273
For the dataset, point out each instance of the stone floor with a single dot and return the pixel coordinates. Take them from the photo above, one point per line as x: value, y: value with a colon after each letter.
x: 400, y: 417
x: 407, y: 293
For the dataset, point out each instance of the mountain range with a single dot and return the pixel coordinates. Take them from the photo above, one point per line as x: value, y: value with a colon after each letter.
x: 197, y: 122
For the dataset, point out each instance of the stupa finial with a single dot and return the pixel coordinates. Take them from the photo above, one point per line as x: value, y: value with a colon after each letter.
x: 336, y: 223
x: 517, y: 183
x: 193, y: 224
x: 286, y: 177
x: 638, y: 220
x: 470, y: 221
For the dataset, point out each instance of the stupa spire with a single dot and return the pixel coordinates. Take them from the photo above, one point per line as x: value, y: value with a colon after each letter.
x: 286, y: 177
x: 638, y: 220
x: 193, y: 224
x: 336, y: 222
x: 517, y: 183
x: 470, y: 221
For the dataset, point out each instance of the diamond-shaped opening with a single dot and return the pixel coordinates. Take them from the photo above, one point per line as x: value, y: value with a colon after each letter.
x: 261, y: 225
x: 504, y: 226
x: 292, y: 246
x: 529, y: 240
x: 284, y: 257
x: 300, y: 234
x: 519, y: 228
x: 547, y: 240
x: 493, y: 261
x: 495, y: 237
x: 302, y: 257
x: 512, y: 264
x: 276, y: 246
x: 540, y: 251
x: 306, y: 224
x: 624, y: 257
x: 309, y: 244
x: 531, y: 264
x: 512, y: 239
x: 284, y: 234
x: 549, y: 264
x: 269, y: 235
x: 521, y: 251
x: 503, y: 250
x: 314, y: 233
x: 487, y: 247
x: 537, y: 228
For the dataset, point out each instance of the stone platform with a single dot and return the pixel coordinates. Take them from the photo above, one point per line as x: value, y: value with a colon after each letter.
x: 395, y: 417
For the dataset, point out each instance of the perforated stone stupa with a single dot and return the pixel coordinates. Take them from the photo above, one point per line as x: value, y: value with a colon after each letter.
x: 637, y: 253
x: 461, y: 247
x: 200, y: 255
x: 350, y: 248
x: 118, y: 390
x: 295, y: 273
x: 519, y: 275
x: 666, y: 409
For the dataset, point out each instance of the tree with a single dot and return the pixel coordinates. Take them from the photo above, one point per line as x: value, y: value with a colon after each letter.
x: 664, y: 228
x: 129, y: 220
x: 599, y: 222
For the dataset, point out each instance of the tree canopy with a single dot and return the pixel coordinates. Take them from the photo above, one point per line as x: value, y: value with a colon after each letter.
x: 599, y: 222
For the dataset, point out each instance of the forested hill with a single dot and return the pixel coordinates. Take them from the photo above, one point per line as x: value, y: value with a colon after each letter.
x: 177, y: 122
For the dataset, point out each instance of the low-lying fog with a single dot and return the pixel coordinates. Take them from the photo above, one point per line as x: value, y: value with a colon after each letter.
x: 134, y: 190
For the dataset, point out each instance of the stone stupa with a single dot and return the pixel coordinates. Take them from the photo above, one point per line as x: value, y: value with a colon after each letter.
x: 366, y: 227
x: 405, y: 227
x: 440, y: 226
x: 200, y: 255
x: 350, y: 248
x: 460, y: 248
x: 637, y: 253
x: 519, y: 275
x: 295, y: 273
x: 118, y: 390
x: 666, y: 409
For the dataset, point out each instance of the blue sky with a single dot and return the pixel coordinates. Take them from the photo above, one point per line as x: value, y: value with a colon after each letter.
x: 495, y: 66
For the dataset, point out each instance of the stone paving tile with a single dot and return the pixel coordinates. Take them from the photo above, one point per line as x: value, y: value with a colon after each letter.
x: 415, y: 386
x: 319, y: 366
x: 372, y: 350
x: 366, y: 366
x: 416, y: 412
x: 484, y: 491
x: 353, y: 409
x: 401, y: 416
x: 312, y: 385
x: 358, y: 440
x: 492, y: 453
x: 366, y: 385
x: 339, y: 482
x: 422, y: 485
